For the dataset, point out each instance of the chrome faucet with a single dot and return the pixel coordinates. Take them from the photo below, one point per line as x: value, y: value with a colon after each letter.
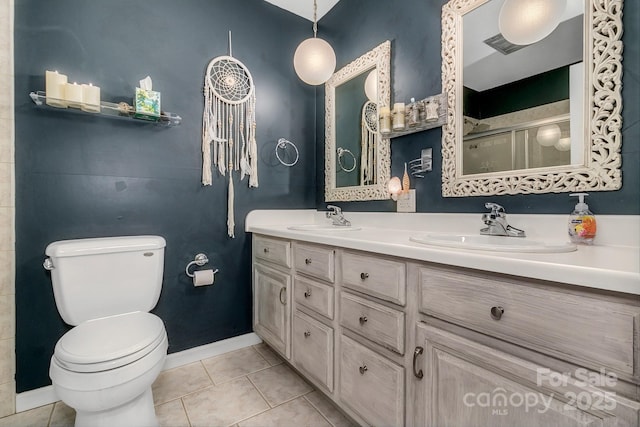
x: 496, y: 222
x: 337, y: 219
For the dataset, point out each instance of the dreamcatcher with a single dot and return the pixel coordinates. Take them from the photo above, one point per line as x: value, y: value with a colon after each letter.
x: 229, y: 125
x: 368, y: 143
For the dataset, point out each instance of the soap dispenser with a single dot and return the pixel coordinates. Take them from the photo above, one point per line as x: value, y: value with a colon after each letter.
x: 582, y: 223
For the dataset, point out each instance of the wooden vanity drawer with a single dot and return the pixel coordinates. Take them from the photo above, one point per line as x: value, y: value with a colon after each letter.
x: 312, y: 347
x: 375, y: 276
x: 316, y: 296
x: 371, y: 385
x: 273, y: 250
x: 316, y: 261
x: 376, y: 322
x: 593, y: 332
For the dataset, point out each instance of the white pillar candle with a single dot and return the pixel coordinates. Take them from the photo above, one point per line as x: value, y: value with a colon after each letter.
x: 73, y: 95
x: 385, y: 120
x: 91, y: 98
x: 54, y: 89
x: 398, y: 116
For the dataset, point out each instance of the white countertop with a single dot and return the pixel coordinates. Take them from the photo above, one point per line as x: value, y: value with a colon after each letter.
x: 612, y: 263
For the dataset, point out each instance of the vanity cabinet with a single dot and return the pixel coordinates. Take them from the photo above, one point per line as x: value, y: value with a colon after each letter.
x: 398, y: 342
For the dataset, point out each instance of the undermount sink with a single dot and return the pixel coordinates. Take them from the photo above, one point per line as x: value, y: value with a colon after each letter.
x: 323, y: 227
x: 493, y: 243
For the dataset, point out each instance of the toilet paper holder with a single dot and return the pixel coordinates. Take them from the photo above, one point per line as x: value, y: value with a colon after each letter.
x: 200, y: 260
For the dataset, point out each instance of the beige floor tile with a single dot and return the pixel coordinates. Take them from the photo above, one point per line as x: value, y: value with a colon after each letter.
x: 225, y: 404
x: 172, y: 414
x: 328, y: 409
x: 37, y: 417
x: 63, y: 415
x: 179, y: 382
x: 234, y: 364
x: 296, y: 413
x: 268, y: 354
x: 279, y: 384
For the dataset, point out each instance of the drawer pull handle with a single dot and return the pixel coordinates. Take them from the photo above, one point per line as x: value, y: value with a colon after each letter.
x: 307, y: 334
x: 497, y: 312
x: 363, y: 320
x: 283, y: 302
x: 364, y: 276
x: 363, y: 369
x: 307, y: 294
x: 307, y: 261
x: 266, y: 250
x: 417, y: 352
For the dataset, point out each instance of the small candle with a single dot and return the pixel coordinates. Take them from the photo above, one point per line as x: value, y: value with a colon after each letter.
x: 73, y: 95
x: 91, y: 98
x: 398, y: 116
x: 385, y: 120
x: 54, y: 89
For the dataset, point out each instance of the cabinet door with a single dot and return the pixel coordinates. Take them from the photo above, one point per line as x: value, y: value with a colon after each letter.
x: 271, y: 307
x: 464, y: 383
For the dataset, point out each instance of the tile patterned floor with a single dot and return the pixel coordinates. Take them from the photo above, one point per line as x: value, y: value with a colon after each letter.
x: 251, y: 387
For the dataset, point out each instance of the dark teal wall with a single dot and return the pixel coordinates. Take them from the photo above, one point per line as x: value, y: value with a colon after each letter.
x: 79, y: 176
x: 413, y: 26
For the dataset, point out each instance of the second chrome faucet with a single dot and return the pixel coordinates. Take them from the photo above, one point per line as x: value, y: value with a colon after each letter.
x: 496, y: 223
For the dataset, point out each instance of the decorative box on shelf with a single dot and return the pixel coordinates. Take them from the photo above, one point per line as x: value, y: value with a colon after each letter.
x: 420, y: 115
x: 110, y: 110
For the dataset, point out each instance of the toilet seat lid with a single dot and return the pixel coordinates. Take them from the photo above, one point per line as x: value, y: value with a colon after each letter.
x: 109, y: 342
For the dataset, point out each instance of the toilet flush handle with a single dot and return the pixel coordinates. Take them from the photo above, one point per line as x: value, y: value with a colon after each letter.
x: 48, y: 264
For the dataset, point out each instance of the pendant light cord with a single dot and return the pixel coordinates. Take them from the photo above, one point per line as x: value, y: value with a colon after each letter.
x: 315, y: 22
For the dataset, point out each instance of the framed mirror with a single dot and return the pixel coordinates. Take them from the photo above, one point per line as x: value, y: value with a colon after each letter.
x: 357, y: 158
x: 538, y: 118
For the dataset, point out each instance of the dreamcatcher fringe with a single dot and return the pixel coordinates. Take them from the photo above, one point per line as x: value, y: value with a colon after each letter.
x: 367, y: 155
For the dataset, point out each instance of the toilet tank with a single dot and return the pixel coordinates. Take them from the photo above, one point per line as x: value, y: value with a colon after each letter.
x: 100, y: 277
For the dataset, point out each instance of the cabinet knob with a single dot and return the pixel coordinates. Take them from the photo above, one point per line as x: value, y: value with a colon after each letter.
x: 307, y: 294
x: 363, y: 369
x: 497, y: 312
x: 307, y: 334
x: 266, y: 250
x: 307, y: 261
x: 283, y: 302
x: 417, y: 352
x: 364, y: 276
x: 363, y: 320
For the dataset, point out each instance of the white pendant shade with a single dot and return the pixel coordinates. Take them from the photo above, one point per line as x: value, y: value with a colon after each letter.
x: 563, y: 144
x: 371, y: 86
x: 548, y: 135
x: 525, y: 22
x: 314, y: 61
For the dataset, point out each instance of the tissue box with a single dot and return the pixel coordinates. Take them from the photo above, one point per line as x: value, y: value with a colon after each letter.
x: 147, y: 104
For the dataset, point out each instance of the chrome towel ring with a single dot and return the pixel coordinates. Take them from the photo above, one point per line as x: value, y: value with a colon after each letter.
x: 282, y: 143
x: 341, y: 152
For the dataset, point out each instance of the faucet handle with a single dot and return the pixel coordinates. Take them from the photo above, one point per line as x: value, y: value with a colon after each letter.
x: 333, y: 210
x: 496, y: 209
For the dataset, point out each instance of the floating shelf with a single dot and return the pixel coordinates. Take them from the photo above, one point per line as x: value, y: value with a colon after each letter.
x: 442, y: 119
x: 108, y: 110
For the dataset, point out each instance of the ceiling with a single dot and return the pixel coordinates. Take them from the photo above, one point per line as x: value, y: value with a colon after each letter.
x: 304, y: 8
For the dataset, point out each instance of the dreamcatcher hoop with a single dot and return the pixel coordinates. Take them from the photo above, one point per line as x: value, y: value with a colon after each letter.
x: 370, y: 116
x: 230, y: 80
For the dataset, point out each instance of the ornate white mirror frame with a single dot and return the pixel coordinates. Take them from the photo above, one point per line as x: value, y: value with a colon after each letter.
x: 603, y: 76
x: 379, y: 59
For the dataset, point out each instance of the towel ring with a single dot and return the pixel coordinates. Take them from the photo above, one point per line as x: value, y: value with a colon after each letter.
x: 282, y: 143
x: 341, y: 151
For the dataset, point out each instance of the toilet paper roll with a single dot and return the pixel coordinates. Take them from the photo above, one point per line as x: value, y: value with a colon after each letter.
x: 203, y: 277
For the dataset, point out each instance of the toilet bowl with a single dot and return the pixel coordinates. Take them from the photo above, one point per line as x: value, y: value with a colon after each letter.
x: 104, y: 368
x: 105, y: 365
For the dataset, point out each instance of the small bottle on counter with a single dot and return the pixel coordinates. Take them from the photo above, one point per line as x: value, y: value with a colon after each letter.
x: 582, y: 223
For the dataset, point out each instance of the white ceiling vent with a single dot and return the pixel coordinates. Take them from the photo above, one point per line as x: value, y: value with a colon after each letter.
x: 502, y: 45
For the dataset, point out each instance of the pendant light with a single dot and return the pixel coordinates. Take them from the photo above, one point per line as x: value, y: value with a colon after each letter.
x: 314, y: 60
x: 524, y: 22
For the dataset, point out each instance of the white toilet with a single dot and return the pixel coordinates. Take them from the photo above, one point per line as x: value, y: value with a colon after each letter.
x: 105, y: 365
